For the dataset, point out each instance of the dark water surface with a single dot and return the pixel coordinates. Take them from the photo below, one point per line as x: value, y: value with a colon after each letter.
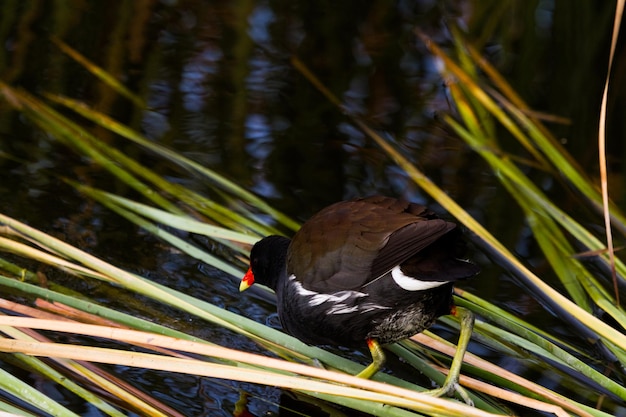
x: 220, y: 89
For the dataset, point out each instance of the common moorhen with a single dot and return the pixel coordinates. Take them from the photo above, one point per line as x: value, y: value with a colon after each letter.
x: 373, y: 270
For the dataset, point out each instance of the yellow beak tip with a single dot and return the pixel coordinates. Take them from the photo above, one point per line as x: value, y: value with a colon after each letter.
x: 243, y: 286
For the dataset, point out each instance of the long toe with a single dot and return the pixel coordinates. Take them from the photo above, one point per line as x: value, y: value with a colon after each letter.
x: 449, y: 389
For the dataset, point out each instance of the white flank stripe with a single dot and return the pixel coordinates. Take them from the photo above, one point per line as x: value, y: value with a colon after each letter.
x: 342, y: 309
x: 412, y: 284
x: 336, y: 300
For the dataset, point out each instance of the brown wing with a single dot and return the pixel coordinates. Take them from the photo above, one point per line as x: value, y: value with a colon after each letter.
x: 348, y: 244
x: 408, y: 241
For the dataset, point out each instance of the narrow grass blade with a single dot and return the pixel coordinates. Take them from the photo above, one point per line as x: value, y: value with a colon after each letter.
x: 100, y: 73
x: 194, y: 167
x: 30, y: 395
x: 374, y: 391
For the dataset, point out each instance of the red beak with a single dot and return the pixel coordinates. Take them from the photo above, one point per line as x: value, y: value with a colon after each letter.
x: 247, y: 280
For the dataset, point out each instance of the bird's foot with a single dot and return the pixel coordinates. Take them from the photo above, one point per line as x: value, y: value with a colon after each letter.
x: 448, y: 389
x: 317, y: 363
x: 451, y: 383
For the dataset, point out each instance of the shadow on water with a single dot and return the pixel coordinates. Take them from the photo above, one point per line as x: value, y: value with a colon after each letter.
x: 219, y: 88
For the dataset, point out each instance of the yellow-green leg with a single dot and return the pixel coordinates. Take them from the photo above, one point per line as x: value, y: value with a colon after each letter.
x: 451, y: 383
x: 378, y: 359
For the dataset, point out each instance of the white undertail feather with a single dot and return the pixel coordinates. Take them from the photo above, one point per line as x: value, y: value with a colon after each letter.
x: 412, y: 284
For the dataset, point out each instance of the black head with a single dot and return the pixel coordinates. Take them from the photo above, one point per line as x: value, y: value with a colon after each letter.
x: 267, y: 262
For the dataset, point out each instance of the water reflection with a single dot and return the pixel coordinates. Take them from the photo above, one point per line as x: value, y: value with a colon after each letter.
x: 219, y: 87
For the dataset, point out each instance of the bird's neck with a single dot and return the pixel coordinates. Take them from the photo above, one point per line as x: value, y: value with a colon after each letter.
x: 277, y: 269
